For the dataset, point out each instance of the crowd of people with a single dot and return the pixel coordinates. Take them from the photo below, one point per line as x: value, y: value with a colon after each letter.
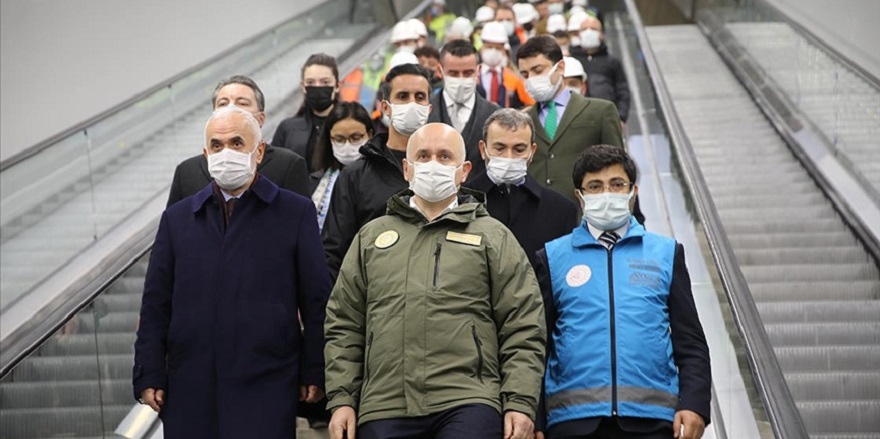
x: 468, y: 261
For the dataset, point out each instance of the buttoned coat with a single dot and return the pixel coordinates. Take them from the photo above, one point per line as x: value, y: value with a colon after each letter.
x: 218, y: 324
x: 585, y: 122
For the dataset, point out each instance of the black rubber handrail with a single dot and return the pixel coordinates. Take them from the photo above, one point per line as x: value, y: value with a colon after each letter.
x: 782, y: 412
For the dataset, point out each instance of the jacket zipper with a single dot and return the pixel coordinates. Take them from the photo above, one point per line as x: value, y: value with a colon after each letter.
x: 479, y: 346
x: 613, y: 336
x: 367, y: 357
x: 436, y: 265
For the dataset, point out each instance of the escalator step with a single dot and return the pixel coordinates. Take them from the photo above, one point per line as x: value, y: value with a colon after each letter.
x: 831, y: 225
x: 74, y: 422
x: 807, y: 291
x: 824, y: 334
x: 807, y: 272
x: 787, y: 256
x: 64, y: 394
x: 792, y: 240
x: 834, y: 385
x: 778, y: 213
x: 828, y: 358
x: 109, y: 322
x: 841, y: 416
x: 820, y: 311
x: 770, y: 200
x: 121, y: 302
x: 86, y: 344
x: 74, y: 368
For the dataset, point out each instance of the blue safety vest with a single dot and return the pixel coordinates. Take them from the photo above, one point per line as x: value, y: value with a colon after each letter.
x: 612, y: 349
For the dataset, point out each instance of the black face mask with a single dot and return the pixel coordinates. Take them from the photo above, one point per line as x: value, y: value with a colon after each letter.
x: 528, y: 26
x: 319, y: 98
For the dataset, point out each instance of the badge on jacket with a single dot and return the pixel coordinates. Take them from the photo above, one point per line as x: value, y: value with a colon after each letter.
x: 464, y: 238
x: 386, y: 239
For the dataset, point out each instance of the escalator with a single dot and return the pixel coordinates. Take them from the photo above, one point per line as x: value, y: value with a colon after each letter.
x: 814, y: 283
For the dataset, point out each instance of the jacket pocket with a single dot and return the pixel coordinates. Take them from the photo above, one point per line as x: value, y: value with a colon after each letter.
x: 367, y: 358
x: 479, y: 346
x: 437, y: 265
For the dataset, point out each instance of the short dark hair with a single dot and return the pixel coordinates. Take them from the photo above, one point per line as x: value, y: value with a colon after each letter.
x: 598, y: 157
x: 323, y: 157
x: 243, y: 80
x: 504, y: 8
x: 540, y: 45
x: 404, y: 69
x: 427, y: 51
x: 561, y: 34
x: 458, y: 49
x: 511, y: 120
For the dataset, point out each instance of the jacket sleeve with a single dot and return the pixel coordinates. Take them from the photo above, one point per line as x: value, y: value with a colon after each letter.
x: 176, y: 193
x: 519, y: 319
x: 689, y: 348
x: 621, y: 91
x: 150, y: 347
x: 297, y: 178
x: 341, y: 224
x: 611, y: 134
x: 542, y: 272
x: 313, y: 290
x: 344, y: 330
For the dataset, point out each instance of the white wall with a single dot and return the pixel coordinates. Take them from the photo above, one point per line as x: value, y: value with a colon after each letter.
x: 850, y: 26
x: 64, y: 61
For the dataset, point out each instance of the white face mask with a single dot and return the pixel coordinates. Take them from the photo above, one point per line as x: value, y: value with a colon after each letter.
x: 347, y: 152
x: 231, y: 169
x: 407, y: 118
x: 502, y: 170
x: 540, y: 87
x: 409, y: 48
x: 607, y: 211
x: 590, y: 39
x: 575, y: 41
x: 492, y: 57
x: 432, y: 181
x: 460, y: 90
x: 555, y: 8
x: 509, y: 27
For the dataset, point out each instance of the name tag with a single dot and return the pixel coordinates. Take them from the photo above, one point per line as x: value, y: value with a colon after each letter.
x: 464, y: 238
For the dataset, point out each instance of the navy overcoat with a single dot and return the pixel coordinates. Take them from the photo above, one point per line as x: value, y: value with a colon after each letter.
x: 219, y: 328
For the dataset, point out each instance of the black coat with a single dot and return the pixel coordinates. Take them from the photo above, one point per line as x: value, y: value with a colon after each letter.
x: 605, y: 78
x: 284, y: 168
x: 473, y: 130
x: 535, y: 214
x: 297, y: 134
x: 218, y: 323
x: 360, y: 195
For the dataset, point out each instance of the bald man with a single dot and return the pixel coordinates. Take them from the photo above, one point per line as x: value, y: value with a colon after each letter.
x: 219, y: 350
x: 435, y: 326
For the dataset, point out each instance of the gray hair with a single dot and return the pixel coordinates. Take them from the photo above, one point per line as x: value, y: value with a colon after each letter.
x: 231, y: 110
x: 511, y: 120
x: 243, y: 80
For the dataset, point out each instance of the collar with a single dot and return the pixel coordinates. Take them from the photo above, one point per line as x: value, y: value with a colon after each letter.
x: 583, y: 234
x: 484, y: 69
x: 483, y: 183
x: 414, y: 206
x: 561, y: 99
x: 469, y: 104
x: 262, y: 188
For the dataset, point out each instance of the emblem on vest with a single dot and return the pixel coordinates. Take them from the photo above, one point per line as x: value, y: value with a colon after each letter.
x: 578, y: 275
x: 386, y: 239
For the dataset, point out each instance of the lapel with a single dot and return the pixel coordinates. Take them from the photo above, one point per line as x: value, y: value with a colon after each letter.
x: 469, y: 125
x: 267, y: 156
x: 440, y: 107
x: 539, y: 128
x: 576, y: 105
x: 203, y: 165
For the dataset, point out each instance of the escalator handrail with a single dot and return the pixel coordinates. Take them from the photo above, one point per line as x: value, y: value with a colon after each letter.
x: 784, y: 416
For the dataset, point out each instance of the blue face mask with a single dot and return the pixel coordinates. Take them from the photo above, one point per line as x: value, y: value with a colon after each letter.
x: 607, y: 211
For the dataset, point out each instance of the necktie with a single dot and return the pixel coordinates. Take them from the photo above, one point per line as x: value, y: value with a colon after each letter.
x: 550, y: 121
x: 609, y: 239
x: 456, y: 117
x: 493, y: 88
x: 230, y: 205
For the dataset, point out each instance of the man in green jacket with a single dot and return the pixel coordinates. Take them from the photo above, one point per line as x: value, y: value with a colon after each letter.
x: 435, y: 328
x: 570, y: 122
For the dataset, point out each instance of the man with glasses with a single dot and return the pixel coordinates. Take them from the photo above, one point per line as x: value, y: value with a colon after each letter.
x: 626, y: 353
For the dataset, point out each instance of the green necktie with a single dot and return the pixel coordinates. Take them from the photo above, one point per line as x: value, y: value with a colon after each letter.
x: 550, y: 120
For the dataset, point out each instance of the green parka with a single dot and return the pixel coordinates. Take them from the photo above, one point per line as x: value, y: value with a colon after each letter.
x: 429, y: 316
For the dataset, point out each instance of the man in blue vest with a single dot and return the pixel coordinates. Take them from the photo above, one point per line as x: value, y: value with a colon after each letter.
x: 626, y: 356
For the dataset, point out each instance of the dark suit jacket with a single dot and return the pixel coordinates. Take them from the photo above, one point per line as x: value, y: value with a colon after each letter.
x: 295, y: 134
x: 584, y: 123
x: 282, y: 167
x: 473, y: 130
x: 536, y: 215
x: 218, y: 322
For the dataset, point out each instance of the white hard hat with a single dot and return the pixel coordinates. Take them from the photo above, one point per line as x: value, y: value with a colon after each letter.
x: 573, y: 68
x: 580, y: 3
x: 439, y: 2
x: 525, y: 13
x: 419, y: 27
x: 403, y: 31
x: 555, y: 22
x: 402, y: 58
x: 494, y: 32
x: 461, y: 27
x: 484, y: 14
x: 575, y: 21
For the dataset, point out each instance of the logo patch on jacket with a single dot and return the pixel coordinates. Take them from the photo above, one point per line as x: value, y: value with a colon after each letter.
x: 386, y: 239
x: 578, y: 275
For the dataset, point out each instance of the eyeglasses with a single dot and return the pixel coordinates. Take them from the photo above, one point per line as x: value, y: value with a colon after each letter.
x: 354, y: 138
x: 616, y: 186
